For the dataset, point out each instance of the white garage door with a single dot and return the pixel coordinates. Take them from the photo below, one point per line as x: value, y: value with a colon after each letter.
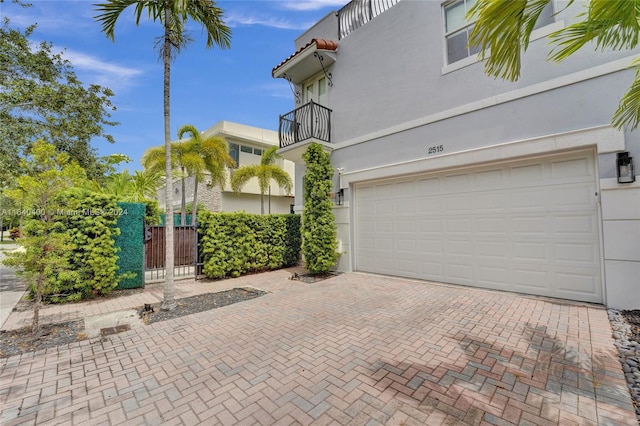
x: 528, y: 226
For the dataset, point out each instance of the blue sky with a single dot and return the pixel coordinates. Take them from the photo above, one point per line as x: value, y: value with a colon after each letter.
x: 208, y: 85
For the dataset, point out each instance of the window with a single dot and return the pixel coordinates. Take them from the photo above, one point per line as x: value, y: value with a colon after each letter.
x: 316, y: 90
x: 246, y: 149
x: 457, y: 30
x: 257, y: 151
x: 234, y: 153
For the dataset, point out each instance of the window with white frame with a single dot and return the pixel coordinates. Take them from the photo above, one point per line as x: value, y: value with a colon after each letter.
x: 457, y: 28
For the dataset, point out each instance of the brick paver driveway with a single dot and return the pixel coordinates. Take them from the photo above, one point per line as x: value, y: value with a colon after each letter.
x: 355, y: 349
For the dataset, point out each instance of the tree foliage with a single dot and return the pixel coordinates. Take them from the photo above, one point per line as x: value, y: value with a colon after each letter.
x: 265, y: 172
x: 41, y: 98
x: 48, y: 174
x: 319, y: 243
x: 503, y: 30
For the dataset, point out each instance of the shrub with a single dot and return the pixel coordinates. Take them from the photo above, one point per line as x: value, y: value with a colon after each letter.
x: 88, y: 225
x: 233, y: 244
x: 319, y: 242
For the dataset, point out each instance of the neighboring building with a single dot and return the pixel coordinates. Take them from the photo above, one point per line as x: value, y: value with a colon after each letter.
x: 246, y: 145
x: 445, y: 174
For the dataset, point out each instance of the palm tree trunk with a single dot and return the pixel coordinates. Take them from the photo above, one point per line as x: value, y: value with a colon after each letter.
x: 262, y: 202
x: 183, y: 202
x: 194, y: 209
x: 269, y: 199
x: 169, y: 302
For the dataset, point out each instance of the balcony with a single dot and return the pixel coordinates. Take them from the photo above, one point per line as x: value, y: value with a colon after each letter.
x: 298, y: 128
x: 358, y: 12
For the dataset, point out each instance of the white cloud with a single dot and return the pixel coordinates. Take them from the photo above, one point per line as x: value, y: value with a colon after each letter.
x: 104, y: 73
x: 304, y: 5
x: 236, y: 19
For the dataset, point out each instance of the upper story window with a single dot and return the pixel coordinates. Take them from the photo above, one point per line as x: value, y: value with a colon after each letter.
x: 457, y: 28
x: 234, y: 152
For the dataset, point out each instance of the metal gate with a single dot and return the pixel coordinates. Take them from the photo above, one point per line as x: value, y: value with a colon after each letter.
x: 187, y: 262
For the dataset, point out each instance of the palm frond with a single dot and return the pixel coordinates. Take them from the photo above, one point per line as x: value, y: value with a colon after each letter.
x: 243, y: 175
x: 628, y: 112
x: 609, y: 24
x: 502, y: 31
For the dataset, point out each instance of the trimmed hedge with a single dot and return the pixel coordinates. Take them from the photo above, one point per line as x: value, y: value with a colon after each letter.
x: 233, y: 244
x: 89, y: 225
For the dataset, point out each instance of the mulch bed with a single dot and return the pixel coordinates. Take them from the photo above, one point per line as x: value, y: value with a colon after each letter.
x: 194, y: 304
x: 16, y: 342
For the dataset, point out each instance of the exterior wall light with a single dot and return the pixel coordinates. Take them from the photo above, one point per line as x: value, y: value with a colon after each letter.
x: 625, y: 168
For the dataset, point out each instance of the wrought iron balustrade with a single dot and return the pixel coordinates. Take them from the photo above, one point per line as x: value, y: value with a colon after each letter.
x: 310, y: 121
x: 358, y: 12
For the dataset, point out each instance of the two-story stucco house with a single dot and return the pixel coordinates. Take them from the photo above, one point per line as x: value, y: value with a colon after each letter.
x: 246, y: 145
x: 447, y: 175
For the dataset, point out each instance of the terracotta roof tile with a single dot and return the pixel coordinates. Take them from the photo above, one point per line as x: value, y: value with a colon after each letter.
x: 321, y: 44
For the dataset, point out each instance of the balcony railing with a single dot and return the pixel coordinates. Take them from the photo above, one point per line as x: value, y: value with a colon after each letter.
x: 310, y: 121
x: 358, y: 12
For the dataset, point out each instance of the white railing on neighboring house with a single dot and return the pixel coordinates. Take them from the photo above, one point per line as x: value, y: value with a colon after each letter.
x: 358, y: 12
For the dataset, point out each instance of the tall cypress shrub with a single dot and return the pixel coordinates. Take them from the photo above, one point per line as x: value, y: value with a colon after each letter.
x: 319, y: 241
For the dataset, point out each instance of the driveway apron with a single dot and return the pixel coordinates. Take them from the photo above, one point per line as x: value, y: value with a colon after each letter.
x: 356, y: 349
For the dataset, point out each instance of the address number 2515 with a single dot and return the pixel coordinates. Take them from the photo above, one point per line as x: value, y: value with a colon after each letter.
x: 436, y: 149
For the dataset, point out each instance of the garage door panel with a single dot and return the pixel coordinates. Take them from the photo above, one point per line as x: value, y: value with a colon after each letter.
x: 431, y: 246
x: 584, y: 254
x: 493, y: 250
x: 431, y: 269
x: 571, y: 197
x: 429, y: 204
x: 489, y: 179
x: 527, y: 175
x: 574, y: 284
x: 530, y: 251
x: 456, y: 204
x: 461, y: 225
x: 580, y: 168
x: 492, y: 226
x: 530, y: 227
x: 528, y: 200
x: 574, y: 225
x: 525, y: 280
x: 488, y: 202
x: 462, y: 273
x: 459, y: 248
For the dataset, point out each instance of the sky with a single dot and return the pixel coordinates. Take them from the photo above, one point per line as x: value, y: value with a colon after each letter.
x: 207, y: 85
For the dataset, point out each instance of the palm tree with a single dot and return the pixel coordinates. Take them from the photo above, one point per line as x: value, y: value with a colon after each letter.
x: 265, y: 172
x: 503, y: 29
x: 182, y: 158
x: 172, y: 14
x: 214, y: 153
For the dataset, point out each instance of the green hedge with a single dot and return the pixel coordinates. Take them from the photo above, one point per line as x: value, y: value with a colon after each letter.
x: 233, y: 244
x: 131, y: 244
x: 89, y: 225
